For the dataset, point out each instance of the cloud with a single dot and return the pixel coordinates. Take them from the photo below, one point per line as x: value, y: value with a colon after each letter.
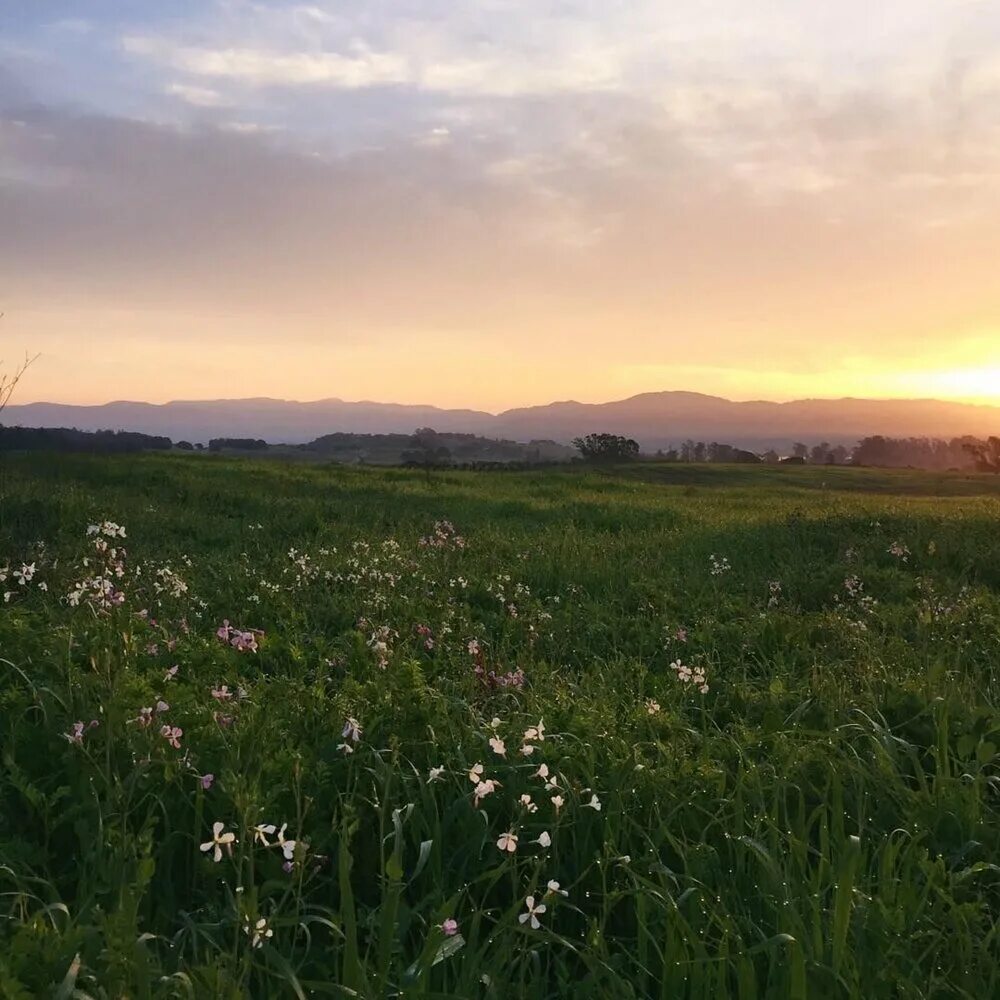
x: 199, y: 97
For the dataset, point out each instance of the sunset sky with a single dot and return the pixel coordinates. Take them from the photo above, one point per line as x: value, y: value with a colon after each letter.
x: 500, y: 202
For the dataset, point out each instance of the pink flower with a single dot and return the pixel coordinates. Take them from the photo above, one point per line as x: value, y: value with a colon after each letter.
x: 449, y: 927
x: 206, y: 781
x: 172, y: 734
x: 222, y: 693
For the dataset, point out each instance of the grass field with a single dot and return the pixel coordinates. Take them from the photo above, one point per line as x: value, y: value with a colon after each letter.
x: 271, y: 743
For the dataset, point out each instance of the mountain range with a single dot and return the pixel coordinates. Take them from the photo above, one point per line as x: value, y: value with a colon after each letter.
x: 654, y: 419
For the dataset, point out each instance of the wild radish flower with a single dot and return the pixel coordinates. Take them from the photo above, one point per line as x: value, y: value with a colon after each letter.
x: 258, y: 932
x: 25, y: 574
x: 558, y: 801
x: 594, y: 803
x: 145, y: 717
x: 172, y: 734
x: 262, y: 831
x: 508, y: 842
x: 900, y: 551
x: 222, y: 693
x: 352, y: 730
x: 543, y: 839
x: 345, y: 748
x: 207, y: 781
x: 652, y: 706
x: 552, y: 888
x: 497, y: 746
x: 287, y: 846
x: 774, y: 589
x: 535, y: 732
x: 528, y: 804
x: 720, y: 564
x: 79, y: 730
x: 484, y: 788
x: 532, y: 913
x: 474, y: 647
x: 449, y: 927
x: 434, y: 774
x: 162, y: 706
x: 218, y: 841
x: 542, y: 772
x: 528, y: 749
x: 476, y: 773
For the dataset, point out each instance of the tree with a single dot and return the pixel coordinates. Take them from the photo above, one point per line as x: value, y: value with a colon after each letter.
x: 9, y: 380
x: 800, y: 450
x: 606, y: 447
x: 986, y: 455
x: 820, y: 454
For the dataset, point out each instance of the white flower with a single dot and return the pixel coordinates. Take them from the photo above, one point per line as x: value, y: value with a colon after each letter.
x: 497, y: 746
x: 652, y: 706
x: 528, y: 749
x: 558, y: 801
x: 476, y: 773
x: 24, y: 574
x: 508, y: 842
x: 542, y: 772
x: 532, y: 913
x: 544, y: 839
x: 535, y: 732
x: 594, y: 803
x: 262, y: 831
x: 434, y: 774
x: 528, y: 804
x: 352, y: 730
x: 258, y: 932
x: 218, y: 841
x: 553, y: 887
x: 287, y: 846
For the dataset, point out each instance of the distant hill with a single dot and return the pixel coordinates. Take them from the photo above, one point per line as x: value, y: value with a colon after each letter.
x: 655, y: 419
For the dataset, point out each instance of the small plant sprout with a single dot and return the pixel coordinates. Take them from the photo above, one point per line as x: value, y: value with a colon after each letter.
x: 220, y: 839
x: 531, y: 913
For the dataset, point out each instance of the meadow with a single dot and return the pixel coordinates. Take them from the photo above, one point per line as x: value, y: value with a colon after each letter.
x: 655, y: 731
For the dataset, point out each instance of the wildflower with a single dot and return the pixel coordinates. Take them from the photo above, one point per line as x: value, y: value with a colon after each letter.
x: 594, y: 803
x: 897, y: 549
x: 222, y: 693
x: 258, y: 932
x: 474, y: 647
x: 652, y: 706
x: 558, y: 801
x: 25, y: 574
x: 262, y: 831
x: 79, y: 730
x: 218, y: 841
x: 553, y: 889
x: 543, y: 839
x: 532, y: 913
x: 172, y: 734
x: 145, y: 717
x: 497, y: 746
x: 508, y: 842
x: 352, y: 730
x: 535, y: 732
x: 476, y: 773
x: 449, y: 927
x: 434, y: 774
x: 528, y: 804
x: 207, y: 781
x: 287, y: 846
x: 681, y: 635
x: 484, y: 788
x: 542, y: 772
x: 162, y: 706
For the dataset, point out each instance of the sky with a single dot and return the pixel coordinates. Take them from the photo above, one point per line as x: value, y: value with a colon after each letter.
x: 500, y: 202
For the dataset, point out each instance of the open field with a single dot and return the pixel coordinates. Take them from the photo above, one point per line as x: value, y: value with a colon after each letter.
x: 746, y: 718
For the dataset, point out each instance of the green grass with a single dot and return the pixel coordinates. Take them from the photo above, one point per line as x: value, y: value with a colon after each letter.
x: 822, y: 823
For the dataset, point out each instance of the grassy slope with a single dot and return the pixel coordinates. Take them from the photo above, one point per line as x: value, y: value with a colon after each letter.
x: 822, y: 823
